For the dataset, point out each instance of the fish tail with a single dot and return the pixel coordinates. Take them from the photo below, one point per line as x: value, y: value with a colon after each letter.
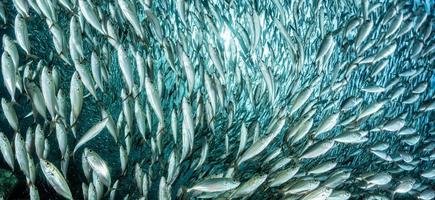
x: 65, y: 58
x: 31, y: 56
x: 109, y: 190
x: 46, y: 123
x: 14, y: 102
x: 185, y: 190
x: 100, y: 104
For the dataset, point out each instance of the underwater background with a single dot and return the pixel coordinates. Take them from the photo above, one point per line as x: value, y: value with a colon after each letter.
x: 261, y: 59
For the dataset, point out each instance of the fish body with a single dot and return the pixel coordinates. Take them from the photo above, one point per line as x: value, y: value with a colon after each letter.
x: 10, y: 114
x: 215, y: 185
x: 55, y: 178
x: 48, y: 91
x: 91, y: 133
x: 8, y: 73
x: 221, y: 99
x: 6, y: 150
x: 99, y: 166
x: 318, y: 149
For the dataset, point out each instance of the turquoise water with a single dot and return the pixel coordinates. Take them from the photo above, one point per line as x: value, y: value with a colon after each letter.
x: 248, y: 55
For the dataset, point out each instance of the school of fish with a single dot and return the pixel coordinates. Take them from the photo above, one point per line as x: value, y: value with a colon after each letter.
x: 220, y: 99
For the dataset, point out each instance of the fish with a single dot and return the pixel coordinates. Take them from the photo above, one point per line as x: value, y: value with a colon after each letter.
x: 385, y: 52
x: 328, y: 124
x: 320, y: 193
x: 140, y: 118
x: 123, y: 157
x: 48, y: 91
x: 10, y: 47
x: 188, y: 127
x: 21, y: 154
x: 96, y: 71
x: 262, y: 143
x: 394, y: 125
x: 10, y: 114
x: 339, y: 194
x: 47, y: 10
x: 34, y: 193
x: 302, y: 186
x: 164, y: 190
x: 37, y: 99
x: 6, y: 150
x: 363, y: 32
x: 373, y: 89
x: 127, y: 9
x: 222, y: 100
x: 395, y: 24
x: 127, y: 109
x: 214, y: 185
x: 61, y: 105
x: 46, y: 149
x: 249, y: 186
x: 405, y: 185
x: 89, y: 14
x: 39, y: 141
x: 427, y: 194
x: 317, y: 149
x: 125, y: 65
x: 55, y: 178
x: 113, y: 192
x: 153, y: 99
x: 302, y: 130
x: 59, y: 42
x: 187, y: 66
x: 99, y: 166
x: 352, y: 137
x: 243, y: 138
x: 21, y: 33
x: 301, y: 99
x: 322, y: 168
x: 382, y: 178
x: 3, y: 13
x: 91, y: 133
x: 204, y: 153
x: 140, y: 66
x: 337, y: 178
x: 371, y: 109
x: 86, y: 78
x: 8, y: 73
x: 283, y: 176
x: 325, y: 46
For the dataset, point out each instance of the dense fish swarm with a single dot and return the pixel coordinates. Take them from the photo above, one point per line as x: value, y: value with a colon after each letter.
x: 277, y: 99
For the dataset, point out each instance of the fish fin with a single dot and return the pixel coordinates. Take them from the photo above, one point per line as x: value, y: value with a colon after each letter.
x: 65, y: 59
x: 28, y: 115
x: 32, y: 56
x: 51, y: 125
x: 14, y: 102
x: 375, y: 130
x: 109, y: 190
x: 87, y: 95
x: 185, y: 190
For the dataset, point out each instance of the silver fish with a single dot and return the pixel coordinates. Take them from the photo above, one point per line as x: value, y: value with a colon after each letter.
x: 6, y: 150
x: 99, y: 166
x: 91, y: 133
x: 215, y: 185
